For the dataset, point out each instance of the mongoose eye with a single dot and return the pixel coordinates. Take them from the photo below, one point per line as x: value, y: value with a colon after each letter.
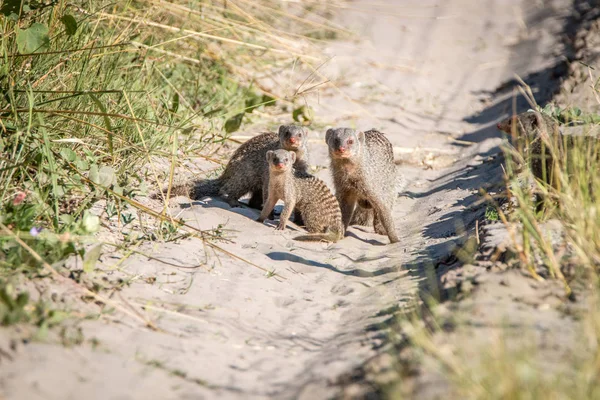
x: 350, y: 141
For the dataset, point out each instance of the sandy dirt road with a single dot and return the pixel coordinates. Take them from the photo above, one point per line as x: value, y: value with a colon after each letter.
x: 423, y: 72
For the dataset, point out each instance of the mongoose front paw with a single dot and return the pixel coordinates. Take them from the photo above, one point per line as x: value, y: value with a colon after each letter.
x: 280, y: 227
x: 394, y: 240
x: 259, y: 219
x: 233, y: 203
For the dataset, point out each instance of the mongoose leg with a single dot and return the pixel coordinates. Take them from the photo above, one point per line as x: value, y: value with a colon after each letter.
x: 256, y: 200
x: 285, y: 215
x: 377, y: 225
x: 362, y: 216
x: 348, y: 205
x: 383, y: 215
x: 298, y: 218
x: 269, y: 204
x: 265, y: 195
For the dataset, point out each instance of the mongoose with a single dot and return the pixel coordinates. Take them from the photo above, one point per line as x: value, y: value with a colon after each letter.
x: 544, y: 146
x: 527, y: 131
x: 309, y: 195
x: 246, y: 168
x: 364, y: 176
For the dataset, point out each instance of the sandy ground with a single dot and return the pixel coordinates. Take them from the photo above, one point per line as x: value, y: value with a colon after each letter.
x: 426, y: 73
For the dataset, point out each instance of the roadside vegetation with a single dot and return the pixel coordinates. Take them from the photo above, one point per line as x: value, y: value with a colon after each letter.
x: 566, y: 252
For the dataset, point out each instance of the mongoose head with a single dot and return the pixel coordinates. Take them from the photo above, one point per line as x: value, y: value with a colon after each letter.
x: 344, y: 142
x: 280, y: 160
x: 525, y: 123
x: 292, y: 137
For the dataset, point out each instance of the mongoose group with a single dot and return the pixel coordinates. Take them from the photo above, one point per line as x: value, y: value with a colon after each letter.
x: 274, y: 167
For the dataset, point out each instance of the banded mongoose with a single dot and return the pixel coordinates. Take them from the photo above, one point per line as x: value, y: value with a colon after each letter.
x: 246, y: 169
x: 532, y: 133
x: 319, y: 208
x: 364, y: 176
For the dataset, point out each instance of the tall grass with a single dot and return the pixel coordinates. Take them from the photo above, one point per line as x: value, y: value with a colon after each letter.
x: 568, y: 195
x: 95, y: 92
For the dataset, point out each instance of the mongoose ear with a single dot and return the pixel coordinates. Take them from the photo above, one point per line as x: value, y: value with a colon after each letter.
x: 293, y: 156
x: 328, y: 135
x: 269, y: 155
x: 361, y: 136
x: 282, y: 130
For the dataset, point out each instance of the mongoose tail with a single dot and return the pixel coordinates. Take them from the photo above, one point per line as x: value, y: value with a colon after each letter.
x: 320, y: 237
x: 194, y: 190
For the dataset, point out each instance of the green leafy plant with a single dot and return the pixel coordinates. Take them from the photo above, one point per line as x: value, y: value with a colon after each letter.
x: 491, y: 213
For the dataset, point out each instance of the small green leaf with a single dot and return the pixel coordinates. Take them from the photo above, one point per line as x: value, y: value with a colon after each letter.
x: 59, y: 191
x: 268, y: 101
x: 42, y: 332
x: 56, y: 317
x: 81, y: 164
x: 94, y: 176
x: 22, y: 299
x: 234, y: 123
x: 302, y: 112
x: 253, y: 102
x: 70, y: 24
x: 107, y: 176
x: 175, y: 103
x: 68, y: 154
x: 212, y: 112
x: 91, y: 257
x: 66, y: 219
x: 91, y: 223
x: 33, y: 39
